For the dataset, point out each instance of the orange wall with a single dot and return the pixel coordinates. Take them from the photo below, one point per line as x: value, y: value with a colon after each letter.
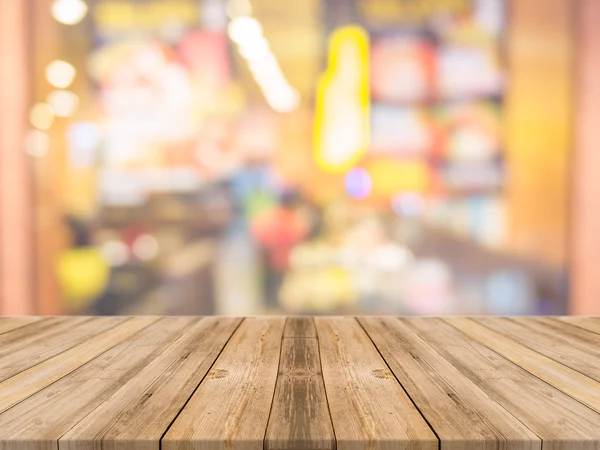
x: 585, y: 207
x: 16, y: 275
x: 539, y: 121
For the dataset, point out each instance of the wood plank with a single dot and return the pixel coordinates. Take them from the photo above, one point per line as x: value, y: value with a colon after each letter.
x: 303, y: 327
x: 20, y: 335
x: 587, y: 323
x: 12, y: 323
x: 30, y: 381
x: 554, y: 342
x: 369, y: 409
x: 559, y: 420
x: 463, y: 416
x: 47, y: 345
x: 300, y: 415
x: 230, y: 409
x: 139, y: 413
x: 574, y: 335
x: 32, y: 335
x: 569, y: 381
x: 39, y: 421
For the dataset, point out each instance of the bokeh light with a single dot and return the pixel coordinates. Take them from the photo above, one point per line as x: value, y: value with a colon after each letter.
x: 69, y: 12
x: 358, y: 183
x: 63, y: 103
x: 60, y: 74
x: 41, y: 116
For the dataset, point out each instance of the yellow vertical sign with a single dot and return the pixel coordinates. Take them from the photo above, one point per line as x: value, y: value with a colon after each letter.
x: 343, y: 101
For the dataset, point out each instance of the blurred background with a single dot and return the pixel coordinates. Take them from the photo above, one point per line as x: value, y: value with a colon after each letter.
x: 312, y: 157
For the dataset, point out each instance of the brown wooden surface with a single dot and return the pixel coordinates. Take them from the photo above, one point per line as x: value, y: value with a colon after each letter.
x: 300, y: 414
x: 276, y: 383
x: 230, y: 409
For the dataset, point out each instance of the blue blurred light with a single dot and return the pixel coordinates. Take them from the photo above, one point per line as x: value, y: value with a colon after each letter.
x: 358, y: 183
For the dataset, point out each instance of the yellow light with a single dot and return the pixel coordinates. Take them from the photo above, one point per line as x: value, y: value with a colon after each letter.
x: 60, y: 74
x: 41, y: 116
x: 69, y: 12
x: 63, y: 103
x: 343, y: 101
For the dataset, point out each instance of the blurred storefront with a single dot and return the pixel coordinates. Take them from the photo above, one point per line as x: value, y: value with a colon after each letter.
x: 324, y: 156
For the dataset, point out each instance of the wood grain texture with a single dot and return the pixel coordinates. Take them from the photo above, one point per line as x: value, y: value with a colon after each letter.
x: 40, y: 347
x: 12, y: 323
x: 567, y: 380
x: 587, y: 323
x: 302, y: 327
x: 559, y: 420
x: 463, y: 416
x: 28, y: 382
x: 21, y: 335
x: 300, y: 414
x: 369, y: 409
x: 37, y: 422
x: 216, y: 383
x: 230, y: 410
x: 140, y: 412
x: 553, y: 339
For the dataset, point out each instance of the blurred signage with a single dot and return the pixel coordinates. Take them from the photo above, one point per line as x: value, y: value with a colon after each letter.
x: 390, y: 176
x: 116, y: 15
x: 409, y: 11
x: 342, y: 110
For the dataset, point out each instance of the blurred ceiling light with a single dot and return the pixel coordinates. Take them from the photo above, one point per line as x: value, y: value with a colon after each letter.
x: 63, y: 103
x: 60, y: 74
x: 283, y: 100
x: 145, y: 247
x: 243, y: 28
x: 247, y: 33
x: 114, y: 252
x: 264, y: 65
x: 37, y: 143
x: 69, y: 12
x: 255, y: 49
x: 238, y: 8
x: 41, y: 116
x: 270, y: 78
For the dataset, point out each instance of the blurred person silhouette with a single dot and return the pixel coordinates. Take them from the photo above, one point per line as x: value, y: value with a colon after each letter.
x: 278, y: 230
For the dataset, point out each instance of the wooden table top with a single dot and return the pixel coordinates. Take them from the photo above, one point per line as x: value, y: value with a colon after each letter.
x: 182, y: 383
